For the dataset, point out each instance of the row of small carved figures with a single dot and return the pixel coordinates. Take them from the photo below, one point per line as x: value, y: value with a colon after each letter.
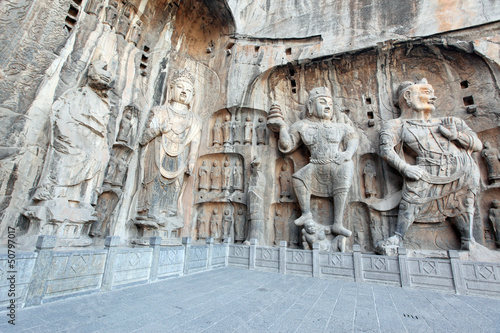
x: 111, y: 18
x: 228, y: 223
x: 230, y: 133
x: 220, y: 178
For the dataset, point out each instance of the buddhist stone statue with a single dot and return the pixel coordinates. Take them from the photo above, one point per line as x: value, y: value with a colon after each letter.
x: 215, y: 177
x: 330, y: 169
x: 170, y: 147
x: 238, y: 176
x: 260, y: 131
x: 237, y: 131
x: 443, y: 182
x: 203, y: 177
x: 226, y: 130
x: 494, y: 215
x: 202, y: 225
x: 227, y: 223
x: 285, y: 181
x: 369, y: 177
x: 492, y: 158
x: 248, y: 130
x: 217, y: 134
x: 77, y: 157
x: 214, y: 224
x: 239, y: 226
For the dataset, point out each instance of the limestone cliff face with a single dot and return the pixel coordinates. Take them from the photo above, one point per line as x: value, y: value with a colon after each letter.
x: 245, y: 56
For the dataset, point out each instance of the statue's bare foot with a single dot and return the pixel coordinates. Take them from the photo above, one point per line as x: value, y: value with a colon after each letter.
x: 301, y: 220
x: 340, y: 230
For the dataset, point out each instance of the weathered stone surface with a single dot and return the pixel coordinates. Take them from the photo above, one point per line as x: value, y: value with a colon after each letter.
x: 244, y: 57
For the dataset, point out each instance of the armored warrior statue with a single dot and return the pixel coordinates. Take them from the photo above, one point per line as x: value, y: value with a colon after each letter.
x: 170, y: 142
x: 492, y: 158
x: 444, y: 181
x: 330, y: 170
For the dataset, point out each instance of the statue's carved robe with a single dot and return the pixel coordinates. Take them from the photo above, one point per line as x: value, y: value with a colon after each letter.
x: 170, y: 135
x: 78, y: 152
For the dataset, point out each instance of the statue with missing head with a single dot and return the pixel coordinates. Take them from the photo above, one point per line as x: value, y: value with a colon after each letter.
x: 332, y: 143
x: 444, y: 179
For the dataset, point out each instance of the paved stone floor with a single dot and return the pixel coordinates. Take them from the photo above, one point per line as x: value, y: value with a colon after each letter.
x: 237, y: 300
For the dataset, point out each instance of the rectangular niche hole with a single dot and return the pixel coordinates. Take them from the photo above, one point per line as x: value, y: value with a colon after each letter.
x: 294, y: 90
x: 289, y: 51
x: 70, y: 22
x: 73, y: 11
x: 368, y: 100
x: 143, y: 66
x: 370, y: 114
x: 468, y: 100
x: 144, y: 58
x: 464, y: 84
x: 291, y: 71
x: 78, y: 2
x: 346, y: 111
x: 257, y: 48
x: 229, y: 46
x: 146, y: 49
x: 294, y: 83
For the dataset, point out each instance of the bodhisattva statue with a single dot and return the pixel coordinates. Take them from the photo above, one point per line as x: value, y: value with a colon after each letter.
x: 330, y: 169
x: 443, y: 182
x: 76, y: 159
x: 170, y: 145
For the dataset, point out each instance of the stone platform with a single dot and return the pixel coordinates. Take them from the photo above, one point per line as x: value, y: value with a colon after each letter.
x: 241, y: 300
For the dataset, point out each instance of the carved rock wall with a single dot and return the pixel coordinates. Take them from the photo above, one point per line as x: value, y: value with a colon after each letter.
x: 245, y: 56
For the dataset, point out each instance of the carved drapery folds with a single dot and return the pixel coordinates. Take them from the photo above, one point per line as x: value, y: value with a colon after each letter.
x: 76, y: 160
x: 170, y: 148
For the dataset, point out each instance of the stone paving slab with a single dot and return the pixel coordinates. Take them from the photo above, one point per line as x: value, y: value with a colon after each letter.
x: 239, y: 300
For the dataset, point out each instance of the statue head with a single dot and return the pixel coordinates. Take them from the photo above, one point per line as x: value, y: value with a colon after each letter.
x: 240, y: 211
x: 216, y: 211
x: 248, y: 118
x: 216, y: 163
x: 495, y: 203
x: 99, y: 76
x: 261, y: 119
x: 310, y: 227
x: 487, y: 145
x: 226, y: 163
x: 320, y: 104
x: 415, y: 98
x: 182, y: 87
x: 226, y: 212
x: 284, y: 167
x: 227, y: 118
